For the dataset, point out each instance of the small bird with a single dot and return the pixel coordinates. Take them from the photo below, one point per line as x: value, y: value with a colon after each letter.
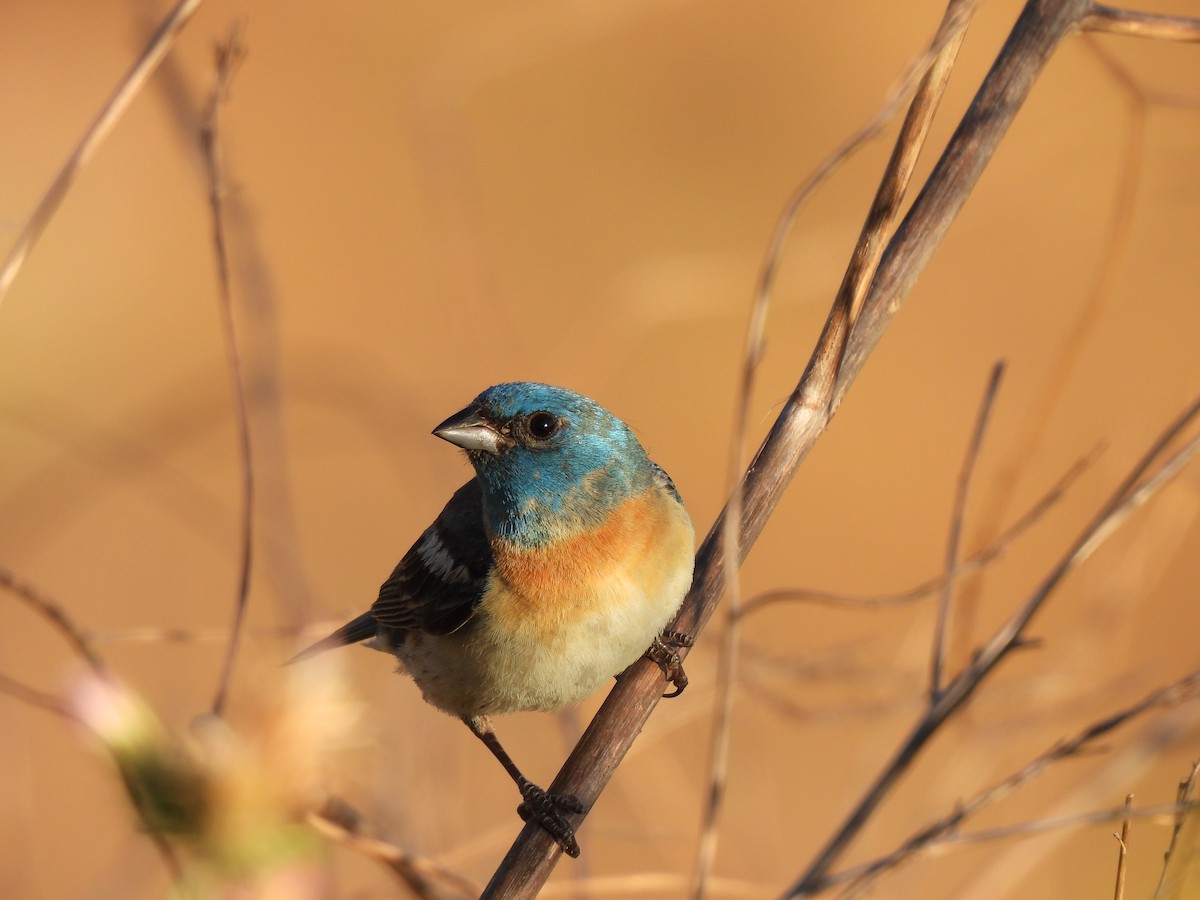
x: 550, y: 572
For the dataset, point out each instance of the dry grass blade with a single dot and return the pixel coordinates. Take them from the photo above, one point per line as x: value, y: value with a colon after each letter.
x: 1181, y: 867
x: 1141, y: 24
x: 972, y: 563
x: 1123, y: 841
x: 1041, y: 826
x: 229, y: 57
x: 56, y: 615
x: 953, y: 563
x: 156, y: 48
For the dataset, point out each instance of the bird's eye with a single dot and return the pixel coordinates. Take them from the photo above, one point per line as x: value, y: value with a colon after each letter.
x: 542, y: 424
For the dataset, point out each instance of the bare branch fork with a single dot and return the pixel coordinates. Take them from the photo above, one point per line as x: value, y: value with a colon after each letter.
x: 839, y: 355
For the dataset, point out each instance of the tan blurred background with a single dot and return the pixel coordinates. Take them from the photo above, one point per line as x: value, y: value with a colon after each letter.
x: 429, y: 198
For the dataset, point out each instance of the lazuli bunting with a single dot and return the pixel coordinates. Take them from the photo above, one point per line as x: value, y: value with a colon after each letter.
x: 545, y: 576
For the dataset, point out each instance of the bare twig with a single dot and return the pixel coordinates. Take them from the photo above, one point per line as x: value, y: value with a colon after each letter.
x: 229, y: 56
x: 1139, y: 485
x: 972, y: 563
x: 340, y: 822
x: 1040, y: 826
x: 34, y: 697
x: 56, y: 615
x: 953, y: 562
x: 156, y: 48
x: 1123, y: 841
x: 718, y: 754
x: 1141, y: 24
x: 176, y: 635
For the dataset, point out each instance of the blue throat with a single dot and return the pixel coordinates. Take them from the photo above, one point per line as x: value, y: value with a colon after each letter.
x: 534, y: 495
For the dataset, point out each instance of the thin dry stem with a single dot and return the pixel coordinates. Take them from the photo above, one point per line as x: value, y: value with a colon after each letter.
x: 718, y: 755
x: 1123, y: 852
x: 110, y: 113
x: 229, y: 57
x: 972, y: 563
x: 54, y: 613
x: 1157, y: 814
x: 151, y: 634
x: 1141, y: 24
x: 953, y: 552
x: 33, y: 697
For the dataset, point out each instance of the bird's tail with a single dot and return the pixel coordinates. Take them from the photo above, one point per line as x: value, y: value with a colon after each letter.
x: 352, y: 632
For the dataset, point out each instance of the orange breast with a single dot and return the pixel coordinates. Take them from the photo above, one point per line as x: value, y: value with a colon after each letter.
x: 570, y: 578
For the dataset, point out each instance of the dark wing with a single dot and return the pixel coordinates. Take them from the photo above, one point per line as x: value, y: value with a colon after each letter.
x: 439, y: 582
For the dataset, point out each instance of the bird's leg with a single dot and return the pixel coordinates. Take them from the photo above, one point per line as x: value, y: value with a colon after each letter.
x: 664, y: 650
x: 547, y: 810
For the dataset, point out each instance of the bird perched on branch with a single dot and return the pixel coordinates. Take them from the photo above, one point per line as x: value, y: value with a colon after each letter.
x: 546, y: 575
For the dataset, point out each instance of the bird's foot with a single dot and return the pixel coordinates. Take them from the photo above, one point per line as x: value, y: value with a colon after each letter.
x: 550, y: 811
x: 664, y: 650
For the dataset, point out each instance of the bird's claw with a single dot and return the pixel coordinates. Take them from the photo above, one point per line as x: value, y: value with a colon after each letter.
x: 664, y: 650
x: 550, y: 812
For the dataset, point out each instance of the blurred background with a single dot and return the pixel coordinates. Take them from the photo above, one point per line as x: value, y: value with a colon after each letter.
x: 426, y: 199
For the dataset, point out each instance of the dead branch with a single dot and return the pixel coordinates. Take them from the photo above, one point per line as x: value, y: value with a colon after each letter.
x: 340, y: 822
x: 56, y: 614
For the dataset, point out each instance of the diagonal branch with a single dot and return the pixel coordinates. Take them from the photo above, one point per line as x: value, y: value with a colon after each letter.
x: 953, y: 560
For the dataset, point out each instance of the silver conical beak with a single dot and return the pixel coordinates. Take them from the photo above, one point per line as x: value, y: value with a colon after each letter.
x: 471, y: 431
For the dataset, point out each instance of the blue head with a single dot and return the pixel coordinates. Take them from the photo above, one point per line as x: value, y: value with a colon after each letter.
x: 551, y: 462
